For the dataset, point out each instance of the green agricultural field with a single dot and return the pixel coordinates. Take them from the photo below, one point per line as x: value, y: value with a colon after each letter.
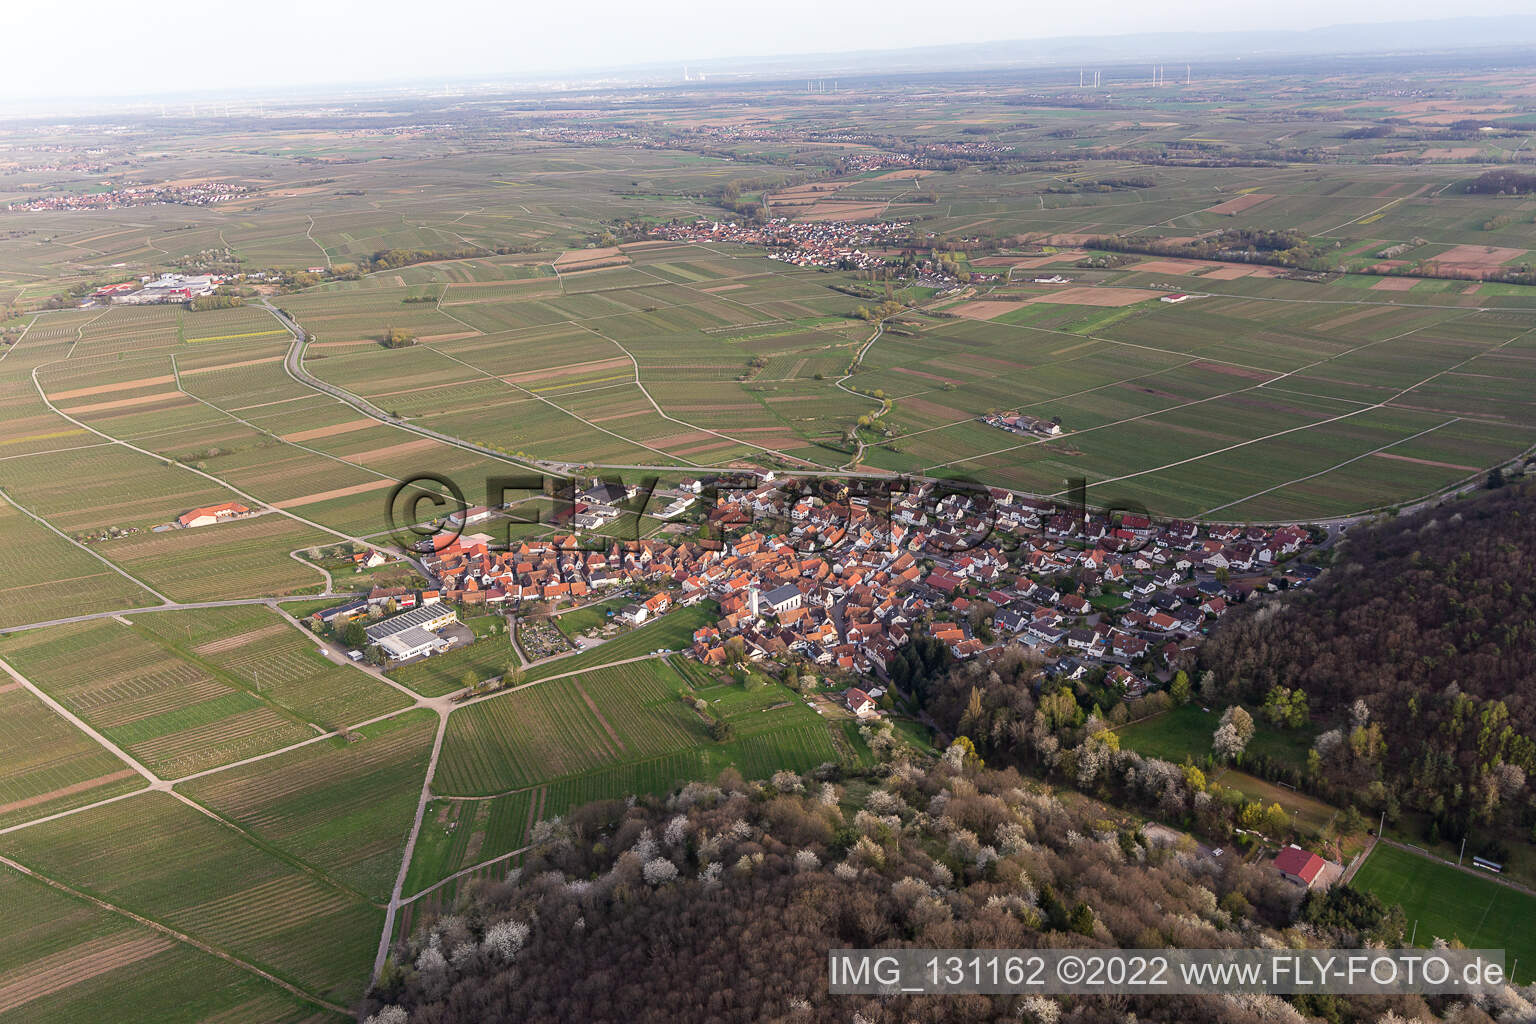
x: 46, y: 764
x: 45, y: 577
x: 458, y: 834
x: 277, y: 661
x: 170, y: 863
x: 343, y: 805
x: 629, y: 713
x: 1448, y: 903
x: 174, y: 715
x: 63, y: 959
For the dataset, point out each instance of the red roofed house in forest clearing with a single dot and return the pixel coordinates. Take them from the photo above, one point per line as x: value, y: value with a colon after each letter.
x: 1298, y: 865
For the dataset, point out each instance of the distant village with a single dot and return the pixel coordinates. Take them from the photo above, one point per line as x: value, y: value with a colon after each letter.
x: 200, y: 194
x: 829, y: 244
x: 844, y: 586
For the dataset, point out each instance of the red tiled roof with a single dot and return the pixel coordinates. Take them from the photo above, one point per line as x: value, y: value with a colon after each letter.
x: 1304, y: 864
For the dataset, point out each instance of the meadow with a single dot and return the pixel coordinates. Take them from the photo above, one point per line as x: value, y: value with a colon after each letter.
x: 1185, y: 732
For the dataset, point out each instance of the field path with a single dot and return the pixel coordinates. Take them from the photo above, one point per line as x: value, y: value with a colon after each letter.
x: 110, y: 565
x: 154, y: 780
x: 174, y: 934
x: 395, y: 897
x: 309, y: 233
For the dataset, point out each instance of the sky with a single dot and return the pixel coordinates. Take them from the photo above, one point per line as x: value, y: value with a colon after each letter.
x: 110, y: 51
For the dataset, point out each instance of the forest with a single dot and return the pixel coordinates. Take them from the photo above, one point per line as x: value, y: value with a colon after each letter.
x: 720, y: 903
x: 1418, y: 650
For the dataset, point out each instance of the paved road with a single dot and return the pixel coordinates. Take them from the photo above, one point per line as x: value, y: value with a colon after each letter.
x: 387, y: 936
x: 294, y: 364
x: 254, y: 501
x: 178, y: 606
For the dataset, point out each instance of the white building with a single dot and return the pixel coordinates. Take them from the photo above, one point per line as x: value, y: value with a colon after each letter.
x: 413, y: 642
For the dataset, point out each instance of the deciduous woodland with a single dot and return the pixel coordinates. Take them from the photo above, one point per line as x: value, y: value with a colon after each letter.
x: 1429, y: 620
x: 721, y: 902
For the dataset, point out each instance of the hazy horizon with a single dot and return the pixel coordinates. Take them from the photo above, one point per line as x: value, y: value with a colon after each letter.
x: 291, y: 46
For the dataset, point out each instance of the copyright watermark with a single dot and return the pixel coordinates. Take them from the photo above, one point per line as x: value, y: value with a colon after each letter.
x: 1164, y: 971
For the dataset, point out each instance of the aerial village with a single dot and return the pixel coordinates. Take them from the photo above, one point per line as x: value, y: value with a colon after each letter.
x: 202, y: 193
x: 805, y: 571
x: 818, y: 243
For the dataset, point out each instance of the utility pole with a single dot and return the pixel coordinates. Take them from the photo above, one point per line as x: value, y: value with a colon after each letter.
x: 1463, y: 852
x: 1415, y: 931
x: 1381, y: 830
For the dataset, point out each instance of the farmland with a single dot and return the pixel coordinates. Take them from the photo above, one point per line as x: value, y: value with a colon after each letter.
x: 537, y: 751
x: 172, y: 714
x: 64, y: 959
x: 172, y: 864
x: 343, y: 806
x: 49, y: 766
x: 1448, y: 903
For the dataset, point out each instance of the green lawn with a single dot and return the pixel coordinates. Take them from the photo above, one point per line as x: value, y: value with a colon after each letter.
x: 1448, y: 903
x: 578, y: 621
x: 1186, y: 731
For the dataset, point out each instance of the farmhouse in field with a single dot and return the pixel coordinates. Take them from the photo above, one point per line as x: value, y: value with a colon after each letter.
x: 210, y: 514
x: 1020, y: 423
